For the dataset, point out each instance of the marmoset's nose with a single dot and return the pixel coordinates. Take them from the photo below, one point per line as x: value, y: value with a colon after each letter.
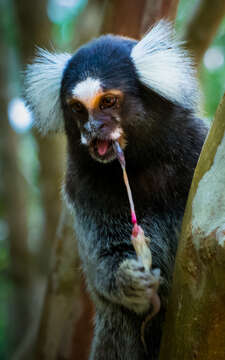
x: 94, y: 125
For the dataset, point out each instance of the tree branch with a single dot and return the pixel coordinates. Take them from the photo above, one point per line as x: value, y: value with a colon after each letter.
x: 123, y: 17
x: 156, y: 10
x: 203, y: 26
x: 195, y: 319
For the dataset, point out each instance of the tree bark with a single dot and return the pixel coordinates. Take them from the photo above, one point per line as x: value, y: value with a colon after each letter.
x: 203, y: 26
x: 195, y: 324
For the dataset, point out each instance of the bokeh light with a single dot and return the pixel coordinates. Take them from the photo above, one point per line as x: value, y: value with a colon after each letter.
x: 60, y: 11
x: 214, y: 58
x: 20, y: 117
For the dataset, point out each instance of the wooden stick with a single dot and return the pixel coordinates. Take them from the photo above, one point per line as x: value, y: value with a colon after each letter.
x: 140, y: 244
x: 138, y: 239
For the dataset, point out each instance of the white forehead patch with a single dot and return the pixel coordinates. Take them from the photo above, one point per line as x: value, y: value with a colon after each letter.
x: 87, y: 89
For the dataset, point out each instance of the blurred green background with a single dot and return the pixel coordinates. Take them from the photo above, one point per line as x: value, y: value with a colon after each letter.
x: 67, y: 31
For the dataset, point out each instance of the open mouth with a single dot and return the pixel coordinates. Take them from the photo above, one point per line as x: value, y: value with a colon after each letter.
x: 102, y: 150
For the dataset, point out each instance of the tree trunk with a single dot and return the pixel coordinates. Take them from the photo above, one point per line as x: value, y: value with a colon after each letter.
x: 195, y: 324
x: 203, y: 26
x: 63, y: 303
x: 35, y: 30
x: 134, y: 18
x: 156, y: 10
x: 52, y: 165
x: 123, y: 17
x: 13, y: 198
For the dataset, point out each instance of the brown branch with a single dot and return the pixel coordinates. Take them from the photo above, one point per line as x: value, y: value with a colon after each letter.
x: 51, y: 154
x: 123, y: 17
x: 63, y: 305
x: 195, y: 323
x: 134, y: 18
x: 203, y: 26
x: 156, y: 10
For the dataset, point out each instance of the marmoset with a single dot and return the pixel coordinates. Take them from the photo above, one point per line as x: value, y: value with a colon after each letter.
x: 144, y: 95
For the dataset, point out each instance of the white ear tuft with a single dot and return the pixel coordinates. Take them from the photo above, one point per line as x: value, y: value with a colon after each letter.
x: 165, y: 67
x: 42, y: 89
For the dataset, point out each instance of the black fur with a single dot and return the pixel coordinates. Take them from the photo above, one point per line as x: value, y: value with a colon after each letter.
x: 106, y: 58
x: 164, y: 140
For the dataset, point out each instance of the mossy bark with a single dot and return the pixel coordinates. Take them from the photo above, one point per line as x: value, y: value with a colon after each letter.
x: 195, y: 323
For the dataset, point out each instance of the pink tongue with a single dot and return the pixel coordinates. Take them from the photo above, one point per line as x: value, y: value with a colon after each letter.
x: 102, y: 147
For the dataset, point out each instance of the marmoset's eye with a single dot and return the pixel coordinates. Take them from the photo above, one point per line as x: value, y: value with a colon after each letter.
x: 77, y: 107
x: 108, y: 101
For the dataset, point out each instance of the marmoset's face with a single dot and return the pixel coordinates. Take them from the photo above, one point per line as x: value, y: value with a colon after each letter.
x: 97, y: 114
x: 96, y: 87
